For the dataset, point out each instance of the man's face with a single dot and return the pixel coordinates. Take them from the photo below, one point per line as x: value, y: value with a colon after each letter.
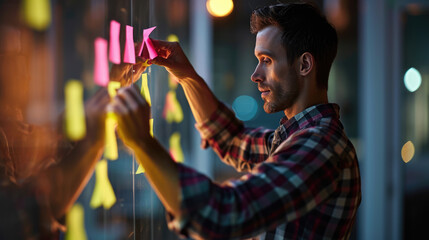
x: 277, y: 80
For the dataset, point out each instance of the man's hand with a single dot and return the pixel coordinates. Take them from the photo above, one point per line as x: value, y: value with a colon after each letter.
x: 95, y: 113
x: 172, y: 57
x: 133, y: 116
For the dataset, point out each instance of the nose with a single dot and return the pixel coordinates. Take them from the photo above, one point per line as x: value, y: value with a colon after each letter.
x: 257, y: 75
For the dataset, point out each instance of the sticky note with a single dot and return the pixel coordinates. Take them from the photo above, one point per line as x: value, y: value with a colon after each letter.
x: 175, y: 148
x: 101, y: 64
x: 74, y: 114
x: 172, y: 38
x: 129, y: 54
x: 112, y: 87
x: 172, y: 110
x: 172, y: 81
x: 37, y: 14
x: 145, y: 89
x: 140, y: 169
x: 103, y: 194
x: 114, y: 45
x: 75, y: 222
x: 147, y: 50
x: 111, y: 146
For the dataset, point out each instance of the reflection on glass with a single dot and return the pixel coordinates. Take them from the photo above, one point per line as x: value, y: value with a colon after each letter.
x: 245, y: 107
x: 407, y: 151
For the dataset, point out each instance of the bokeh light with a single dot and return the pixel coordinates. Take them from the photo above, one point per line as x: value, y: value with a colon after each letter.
x: 407, y: 151
x: 245, y: 107
x: 219, y: 8
x: 412, y: 79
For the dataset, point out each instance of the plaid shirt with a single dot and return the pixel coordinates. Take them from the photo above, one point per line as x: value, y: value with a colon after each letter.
x: 303, y: 180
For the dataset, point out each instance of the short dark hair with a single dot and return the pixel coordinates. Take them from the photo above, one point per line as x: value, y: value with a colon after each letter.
x: 305, y: 29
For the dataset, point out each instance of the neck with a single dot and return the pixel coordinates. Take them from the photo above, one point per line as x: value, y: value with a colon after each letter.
x: 307, y: 99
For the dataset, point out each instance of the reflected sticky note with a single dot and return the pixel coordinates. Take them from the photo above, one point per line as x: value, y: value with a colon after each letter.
x: 129, y: 52
x: 101, y: 64
x: 147, y: 50
x: 103, y: 194
x: 114, y: 44
x: 111, y: 146
x: 172, y: 81
x: 407, y: 151
x: 37, y: 14
x: 175, y: 148
x: 140, y: 169
x: 74, y: 114
x: 75, y: 222
x: 172, y: 110
x: 112, y: 88
x: 145, y: 89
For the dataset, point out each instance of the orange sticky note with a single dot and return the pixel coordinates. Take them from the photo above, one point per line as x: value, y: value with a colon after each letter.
x: 114, y: 45
x: 74, y: 114
x: 129, y: 54
x: 101, y: 64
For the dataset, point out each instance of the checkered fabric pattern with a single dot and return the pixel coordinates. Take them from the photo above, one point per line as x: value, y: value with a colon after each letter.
x: 302, y: 180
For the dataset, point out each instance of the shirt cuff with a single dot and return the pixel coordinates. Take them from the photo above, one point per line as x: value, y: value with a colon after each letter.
x: 195, y: 189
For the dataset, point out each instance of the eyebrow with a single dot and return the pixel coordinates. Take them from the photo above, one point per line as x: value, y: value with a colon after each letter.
x: 264, y: 52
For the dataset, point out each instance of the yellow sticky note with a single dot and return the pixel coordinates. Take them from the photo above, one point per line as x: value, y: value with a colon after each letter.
x: 140, y: 169
x: 112, y: 87
x: 172, y: 110
x: 175, y: 148
x: 75, y: 223
x: 103, y: 194
x: 145, y: 89
x: 111, y: 146
x: 172, y: 38
x: 75, y: 126
x: 36, y: 13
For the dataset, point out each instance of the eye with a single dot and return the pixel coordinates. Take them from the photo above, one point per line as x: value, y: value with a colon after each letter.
x: 265, y: 60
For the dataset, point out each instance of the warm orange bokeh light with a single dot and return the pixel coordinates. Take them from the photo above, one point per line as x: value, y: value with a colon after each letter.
x: 407, y: 151
x: 219, y: 8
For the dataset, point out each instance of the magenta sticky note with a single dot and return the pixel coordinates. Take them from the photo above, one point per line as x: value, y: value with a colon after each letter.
x: 147, y: 50
x: 101, y: 64
x: 114, y: 45
x: 129, y: 54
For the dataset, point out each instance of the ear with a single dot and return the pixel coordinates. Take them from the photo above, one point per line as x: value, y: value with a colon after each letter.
x: 306, y: 64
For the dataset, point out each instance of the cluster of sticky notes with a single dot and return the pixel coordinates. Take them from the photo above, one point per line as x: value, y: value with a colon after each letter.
x: 75, y: 126
x: 75, y: 223
x: 111, y: 50
x: 175, y: 148
x: 36, y: 13
x: 103, y: 194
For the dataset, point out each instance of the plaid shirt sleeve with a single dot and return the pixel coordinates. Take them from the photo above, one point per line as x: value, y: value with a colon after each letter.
x: 236, y: 145
x: 298, y: 178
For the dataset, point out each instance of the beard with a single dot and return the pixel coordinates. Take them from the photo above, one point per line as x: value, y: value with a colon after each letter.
x: 281, y: 98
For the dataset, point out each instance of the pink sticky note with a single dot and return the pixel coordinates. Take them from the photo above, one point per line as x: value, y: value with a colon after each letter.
x: 129, y: 54
x: 101, y: 64
x: 147, y: 50
x: 114, y: 46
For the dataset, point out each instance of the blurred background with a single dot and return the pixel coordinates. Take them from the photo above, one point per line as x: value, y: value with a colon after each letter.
x: 380, y: 79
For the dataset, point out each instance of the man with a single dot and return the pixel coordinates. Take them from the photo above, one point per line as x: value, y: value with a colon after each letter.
x: 303, y: 179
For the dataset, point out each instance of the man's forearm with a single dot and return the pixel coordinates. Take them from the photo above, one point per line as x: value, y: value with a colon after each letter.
x: 201, y: 99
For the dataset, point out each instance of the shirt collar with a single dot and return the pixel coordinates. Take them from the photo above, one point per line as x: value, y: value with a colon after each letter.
x: 309, y: 117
